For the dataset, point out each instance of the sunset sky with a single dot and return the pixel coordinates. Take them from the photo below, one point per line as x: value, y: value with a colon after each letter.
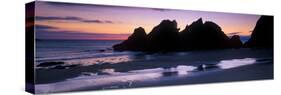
x: 83, y: 21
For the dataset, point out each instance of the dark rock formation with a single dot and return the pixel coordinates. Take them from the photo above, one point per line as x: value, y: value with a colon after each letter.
x: 136, y: 42
x: 262, y: 35
x: 46, y: 64
x: 164, y: 37
x: 188, y: 37
x: 201, y: 35
x: 203, y: 67
x: 235, y: 42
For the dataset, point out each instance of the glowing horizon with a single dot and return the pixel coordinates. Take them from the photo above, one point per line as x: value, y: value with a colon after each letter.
x: 114, y: 21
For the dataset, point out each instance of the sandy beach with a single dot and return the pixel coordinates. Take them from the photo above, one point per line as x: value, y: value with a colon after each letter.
x: 146, y: 70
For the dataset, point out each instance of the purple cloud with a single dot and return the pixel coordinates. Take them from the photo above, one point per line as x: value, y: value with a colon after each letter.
x: 72, y: 18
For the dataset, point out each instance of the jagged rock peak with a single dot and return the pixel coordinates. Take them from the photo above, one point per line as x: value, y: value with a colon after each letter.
x: 167, y: 22
x: 139, y: 31
x: 199, y: 21
x: 213, y: 25
x: 262, y: 35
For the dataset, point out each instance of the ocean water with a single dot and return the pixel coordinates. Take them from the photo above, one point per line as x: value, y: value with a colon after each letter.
x: 87, y: 52
x: 61, y: 50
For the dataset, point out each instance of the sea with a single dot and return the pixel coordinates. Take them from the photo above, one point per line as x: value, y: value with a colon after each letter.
x: 63, y: 50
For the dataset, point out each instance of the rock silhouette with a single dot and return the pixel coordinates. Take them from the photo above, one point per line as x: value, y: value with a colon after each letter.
x: 235, y: 42
x: 201, y: 35
x: 262, y: 35
x: 166, y: 37
x: 136, y: 42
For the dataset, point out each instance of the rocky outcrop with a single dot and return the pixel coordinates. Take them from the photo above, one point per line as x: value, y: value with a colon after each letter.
x: 201, y: 35
x: 166, y: 37
x: 235, y: 42
x: 136, y: 42
x: 262, y: 35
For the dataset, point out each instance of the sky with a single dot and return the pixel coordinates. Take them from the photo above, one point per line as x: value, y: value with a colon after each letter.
x: 101, y: 22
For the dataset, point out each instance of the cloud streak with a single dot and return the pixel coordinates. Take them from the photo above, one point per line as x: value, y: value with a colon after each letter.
x: 50, y: 32
x: 44, y: 27
x: 234, y: 33
x: 159, y: 9
x: 72, y: 18
x: 44, y: 34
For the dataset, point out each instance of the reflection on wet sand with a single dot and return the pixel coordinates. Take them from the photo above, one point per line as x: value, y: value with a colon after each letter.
x: 111, y: 78
x: 233, y: 63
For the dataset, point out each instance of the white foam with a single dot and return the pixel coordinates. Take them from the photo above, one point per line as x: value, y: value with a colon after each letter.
x: 227, y: 64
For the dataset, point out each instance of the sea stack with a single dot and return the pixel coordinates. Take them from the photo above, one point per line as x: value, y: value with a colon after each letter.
x: 262, y: 35
x: 164, y: 37
x: 235, y: 42
x: 199, y: 36
x: 136, y: 42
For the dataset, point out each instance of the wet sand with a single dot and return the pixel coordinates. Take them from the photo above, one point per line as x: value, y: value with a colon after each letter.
x: 258, y: 65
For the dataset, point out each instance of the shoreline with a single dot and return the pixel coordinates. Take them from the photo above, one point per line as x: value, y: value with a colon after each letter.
x: 241, y: 65
x: 244, y: 73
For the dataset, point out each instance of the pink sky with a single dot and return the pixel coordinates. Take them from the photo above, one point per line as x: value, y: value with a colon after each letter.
x: 115, y: 21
